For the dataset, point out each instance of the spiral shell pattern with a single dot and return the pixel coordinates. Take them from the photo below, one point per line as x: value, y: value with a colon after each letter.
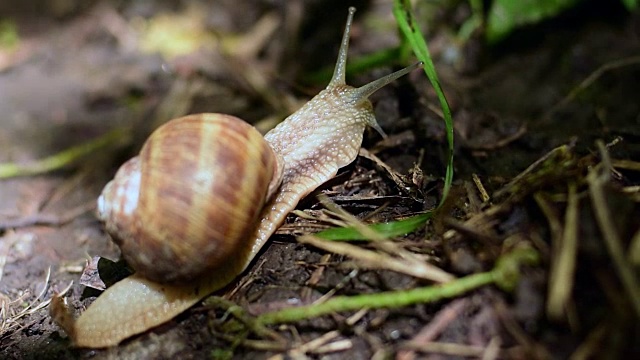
x: 188, y: 203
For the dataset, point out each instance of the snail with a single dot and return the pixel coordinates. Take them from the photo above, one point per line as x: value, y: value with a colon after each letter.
x: 259, y: 180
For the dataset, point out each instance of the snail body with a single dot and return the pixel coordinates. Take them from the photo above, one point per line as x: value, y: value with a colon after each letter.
x: 297, y: 156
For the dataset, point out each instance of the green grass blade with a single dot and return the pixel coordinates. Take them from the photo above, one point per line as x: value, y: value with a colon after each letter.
x: 505, y: 274
x: 387, y: 230
x: 63, y: 158
x: 404, y: 16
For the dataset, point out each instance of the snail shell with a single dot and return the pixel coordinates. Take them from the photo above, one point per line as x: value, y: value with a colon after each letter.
x: 189, y: 201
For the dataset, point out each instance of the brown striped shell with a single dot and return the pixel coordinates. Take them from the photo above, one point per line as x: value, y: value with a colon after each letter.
x: 189, y: 201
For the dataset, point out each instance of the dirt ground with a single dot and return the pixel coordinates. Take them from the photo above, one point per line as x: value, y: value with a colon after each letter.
x: 81, y: 69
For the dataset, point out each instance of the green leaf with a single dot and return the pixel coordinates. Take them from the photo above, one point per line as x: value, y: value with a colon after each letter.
x: 387, y: 230
x: 9, y: 38
x: 506, y: 15
x: 631, y: 4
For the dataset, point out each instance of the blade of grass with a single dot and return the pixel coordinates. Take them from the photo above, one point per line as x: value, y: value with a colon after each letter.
x: 505, y: 275
x: 386, y: 230
x: 563, y: 265
x: 351, y: 220
x: 598, y: 179
x: 371, y: 259
x: 63, y: 158
x: 404, y: 16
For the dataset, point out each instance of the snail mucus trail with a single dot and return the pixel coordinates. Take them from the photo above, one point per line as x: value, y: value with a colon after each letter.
x: 309, y: 147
